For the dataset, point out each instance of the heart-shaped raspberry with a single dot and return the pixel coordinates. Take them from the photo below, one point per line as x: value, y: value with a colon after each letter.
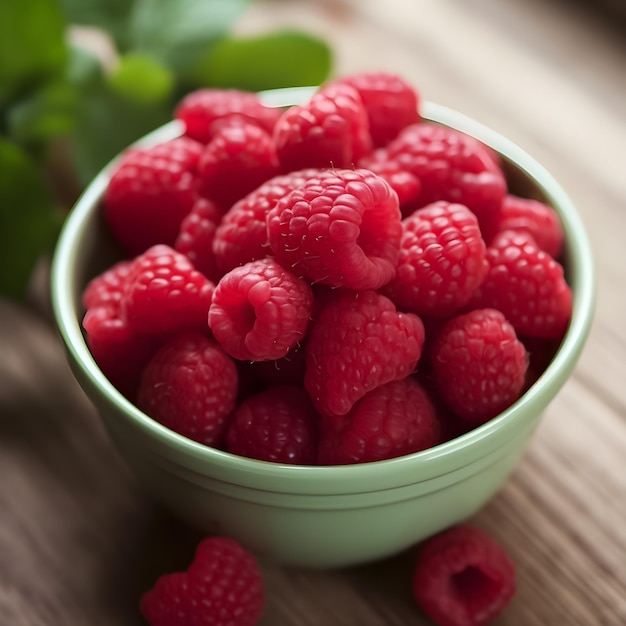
x: 222, y: 587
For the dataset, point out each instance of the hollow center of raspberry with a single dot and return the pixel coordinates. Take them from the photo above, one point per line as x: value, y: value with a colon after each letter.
x: 243, y: 318
x: 470, y: 586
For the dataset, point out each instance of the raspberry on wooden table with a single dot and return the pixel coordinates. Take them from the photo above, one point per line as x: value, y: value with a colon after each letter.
x: 331, y: 129
x: 442, y: 260
x: 391, y: 103
x: 278, y: 425
x: 479, y: 364
x: 535, y: 218
x: 165, y: 293
x: 242, y: 234
x: 527, y: 285
x: 150, y: 191
x: 222, y: 587
x: 359, y: 342
x: 196, y: 236
x: 237, y: 160
x: 390, y: 421
x: 260, y: 310
x: 190, y: 386
x: 451, y: 166
x: 205, y: 111
x: 341, y: 229
x: 463, y: 577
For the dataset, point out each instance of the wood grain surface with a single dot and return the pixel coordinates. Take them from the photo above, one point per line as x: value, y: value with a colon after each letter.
x: 79, y: 538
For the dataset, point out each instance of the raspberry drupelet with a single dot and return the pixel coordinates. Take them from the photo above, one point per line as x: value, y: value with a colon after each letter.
x: 390, y: 102
x: 222, y: 587
x: 190, y: 386
x: 331, y: 129
x: 392, y: 420
x: 342, y: 229
x: 463, y: 577
x: 120, y: 352
x: 359, y: 342
x: 242, y: 233
x: 442, y: 260
x: 279, y: 424
x: 205, y: 111
x: 451, y: 166
x: 237, y: 160
x: 479, y: 364
x: 535, y: 218
x: 527, y: 285
x: 197, y: 234
x: 260, y: 311
x: 165, y: 293
x: 150, y: 192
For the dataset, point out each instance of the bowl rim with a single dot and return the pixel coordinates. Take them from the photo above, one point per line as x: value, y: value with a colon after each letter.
x: 338, y: 479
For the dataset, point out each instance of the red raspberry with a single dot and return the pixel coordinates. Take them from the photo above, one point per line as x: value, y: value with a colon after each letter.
x: 405, y: 184
x: 120, y: 353
x: 391, y: 103
x: 205, y: 111
x: 190, y: 386
x: 242, y: 234
x: 479, y: 364
x: 536, y: 218
x: 196, y: 236
x: 330, y: 130
x: 463, y: 578
x: 260, y: 311
x: 390, y: 421
x: 165, y: 293
x: 527, y: 285
x: 150, y: 192
x: 358, y: 343
x: 107, y: 289
x: 237, y: 160
x: 451, y: 166
x: 278, y: 425
x: 342, y: 230
x: 222, y: 587
x: 442, y: 260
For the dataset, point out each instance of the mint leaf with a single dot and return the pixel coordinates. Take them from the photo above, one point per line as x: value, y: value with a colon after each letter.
x: 285, y: 58
x: 48, y: 112
x: 112, y: 16
x: 176, y: 33
x: 107, y: 124
x: 141, y: 79
x: 27, y: 219
x: 32, y: 46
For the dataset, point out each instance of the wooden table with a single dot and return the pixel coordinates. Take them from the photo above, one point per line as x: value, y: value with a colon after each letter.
x: 79, y: 538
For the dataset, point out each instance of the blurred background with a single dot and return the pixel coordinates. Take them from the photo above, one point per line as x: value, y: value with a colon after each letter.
x: 81, y: 79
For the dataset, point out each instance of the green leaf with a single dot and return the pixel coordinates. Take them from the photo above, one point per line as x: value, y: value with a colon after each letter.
x: 285, y: 58
x: 47, y: 113
x: 27, y: 219
x: 177, y: 33
x: 32, y: 46
x: 141, y: 79
x: 107, y: 124
x: 112, y: 16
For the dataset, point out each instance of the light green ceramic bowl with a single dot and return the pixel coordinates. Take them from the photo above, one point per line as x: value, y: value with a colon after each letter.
x: 322, y: 516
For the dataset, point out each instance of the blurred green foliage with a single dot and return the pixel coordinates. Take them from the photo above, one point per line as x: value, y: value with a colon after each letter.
x: 50, y: 89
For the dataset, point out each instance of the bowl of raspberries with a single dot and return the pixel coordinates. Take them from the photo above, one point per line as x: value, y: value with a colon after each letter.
x: 323, y: 322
